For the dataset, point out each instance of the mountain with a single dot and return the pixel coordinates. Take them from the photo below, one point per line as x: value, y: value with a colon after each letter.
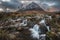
x: 33, y: 6
x: 30, y: 5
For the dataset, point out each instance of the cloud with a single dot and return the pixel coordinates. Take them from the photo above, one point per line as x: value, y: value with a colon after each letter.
x: 6, y: 0
x: 9, y: 4
x: 44, y: 4
x: 50, y: 5
x: 1, y: 9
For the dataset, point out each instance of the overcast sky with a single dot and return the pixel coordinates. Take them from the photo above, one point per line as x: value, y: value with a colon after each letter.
x: 44, y: 4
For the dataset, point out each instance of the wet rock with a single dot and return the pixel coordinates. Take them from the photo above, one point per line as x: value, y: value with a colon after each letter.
x: 58, y: 33
x: 12, y: 36
x: 20, y: 29
x: 16, y: 33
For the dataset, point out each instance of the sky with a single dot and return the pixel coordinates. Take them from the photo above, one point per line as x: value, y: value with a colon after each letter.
x: 47, y: 5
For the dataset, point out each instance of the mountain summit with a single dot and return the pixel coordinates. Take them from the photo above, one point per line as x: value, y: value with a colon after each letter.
x: 33, y: 6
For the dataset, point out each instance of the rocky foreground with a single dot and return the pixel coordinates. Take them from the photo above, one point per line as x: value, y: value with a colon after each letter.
x: 16, y: 26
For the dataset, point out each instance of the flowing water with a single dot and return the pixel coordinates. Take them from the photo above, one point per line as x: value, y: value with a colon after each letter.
x: 44, y: 23
x: 24, y: 23
x: 35, y: 31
